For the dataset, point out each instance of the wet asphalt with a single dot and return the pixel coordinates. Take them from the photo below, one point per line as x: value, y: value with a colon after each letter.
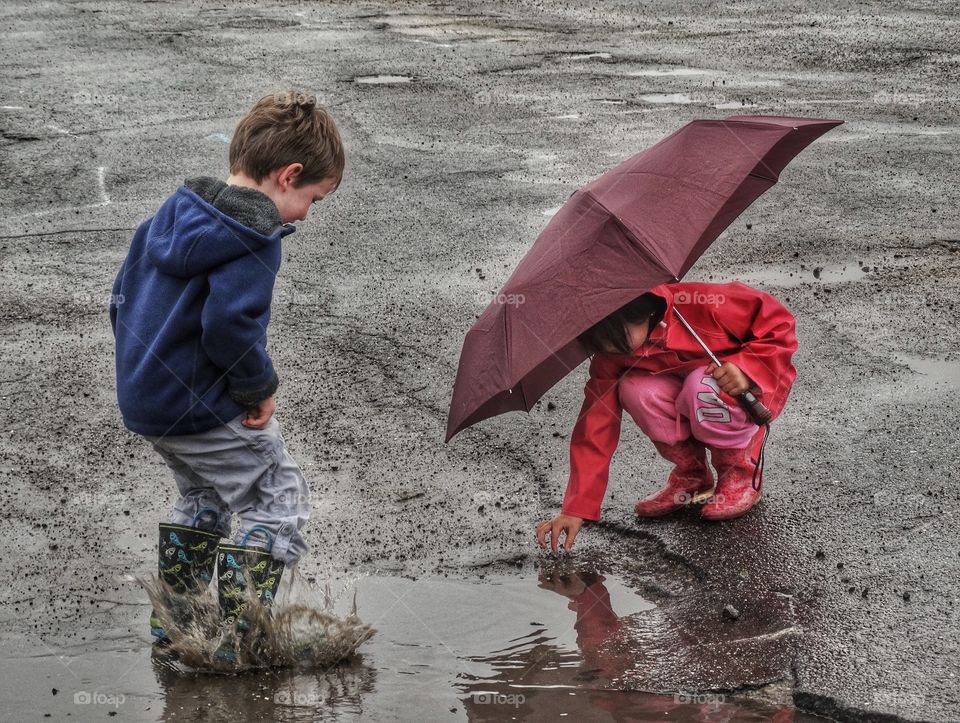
x: 466, y: 124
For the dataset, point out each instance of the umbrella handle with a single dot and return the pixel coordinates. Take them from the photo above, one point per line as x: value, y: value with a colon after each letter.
x: 755, y: 408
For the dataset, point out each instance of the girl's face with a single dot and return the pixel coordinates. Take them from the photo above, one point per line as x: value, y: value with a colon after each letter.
x: 636, y: 335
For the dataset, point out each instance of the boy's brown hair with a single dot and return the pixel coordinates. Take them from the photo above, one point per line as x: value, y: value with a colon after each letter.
x: 285, y: 128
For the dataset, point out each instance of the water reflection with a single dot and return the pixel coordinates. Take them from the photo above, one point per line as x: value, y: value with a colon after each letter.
x: 542, y: 677
x: 268, y: 695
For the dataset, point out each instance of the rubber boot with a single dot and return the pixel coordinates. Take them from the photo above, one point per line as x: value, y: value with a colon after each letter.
x: 690, y: 482
x: 241, y: 571
x: 735, y: 494
x: 187, y: 557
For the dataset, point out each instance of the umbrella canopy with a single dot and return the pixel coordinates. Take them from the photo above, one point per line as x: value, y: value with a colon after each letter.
x: 641, y: 224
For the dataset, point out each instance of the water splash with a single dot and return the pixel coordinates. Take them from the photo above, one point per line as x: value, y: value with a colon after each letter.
x: 297, y: 632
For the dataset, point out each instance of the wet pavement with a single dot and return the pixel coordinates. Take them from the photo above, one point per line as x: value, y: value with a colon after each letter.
x: 467, y: 125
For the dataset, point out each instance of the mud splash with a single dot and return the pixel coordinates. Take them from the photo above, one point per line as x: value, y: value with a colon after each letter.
x: 298, y: 631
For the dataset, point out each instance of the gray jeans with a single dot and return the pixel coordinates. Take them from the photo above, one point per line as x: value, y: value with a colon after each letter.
x: 248, y: 472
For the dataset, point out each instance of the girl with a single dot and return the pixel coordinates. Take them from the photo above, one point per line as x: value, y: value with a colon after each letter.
x: 646, y: 362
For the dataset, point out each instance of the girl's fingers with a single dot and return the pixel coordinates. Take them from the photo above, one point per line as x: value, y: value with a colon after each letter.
x: 571, y: 536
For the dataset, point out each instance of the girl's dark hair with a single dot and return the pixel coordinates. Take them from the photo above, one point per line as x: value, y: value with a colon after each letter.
x: 611, y: 330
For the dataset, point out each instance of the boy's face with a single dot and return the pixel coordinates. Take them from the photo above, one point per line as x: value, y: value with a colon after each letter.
x: 294, y: 203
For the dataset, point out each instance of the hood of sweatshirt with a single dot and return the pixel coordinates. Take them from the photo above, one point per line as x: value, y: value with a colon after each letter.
x: 207, y: 223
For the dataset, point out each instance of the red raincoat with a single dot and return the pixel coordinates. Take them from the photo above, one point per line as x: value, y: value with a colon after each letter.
x: 740, y: 324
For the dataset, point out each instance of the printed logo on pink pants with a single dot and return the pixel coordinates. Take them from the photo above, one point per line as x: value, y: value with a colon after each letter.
x: 715, y: 410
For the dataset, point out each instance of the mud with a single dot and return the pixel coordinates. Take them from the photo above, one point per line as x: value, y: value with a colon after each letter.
x: 846, y: 576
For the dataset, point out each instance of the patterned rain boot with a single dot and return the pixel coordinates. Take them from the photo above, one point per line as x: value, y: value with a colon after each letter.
x: 735, y: 494
x: 187, y: 557
x: 690, y: 482
x: 241, y: 572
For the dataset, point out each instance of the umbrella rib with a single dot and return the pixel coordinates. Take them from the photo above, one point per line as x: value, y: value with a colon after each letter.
x: 762, y: 177
x: 650, y: 253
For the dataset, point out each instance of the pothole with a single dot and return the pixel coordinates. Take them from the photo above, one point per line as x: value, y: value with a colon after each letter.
x: 382, y: 79
x: 586, y: 56
x: 452, y: 27
x: 670, y: 98
x: 931, y: 372
x: 734, y: 105
x: 647, y: 72
x: 788, y: 275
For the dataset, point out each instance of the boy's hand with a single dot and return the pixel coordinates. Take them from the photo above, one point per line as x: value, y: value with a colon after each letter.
x: 259, y: 414
x: 561, y: 523
x: 729, y: 378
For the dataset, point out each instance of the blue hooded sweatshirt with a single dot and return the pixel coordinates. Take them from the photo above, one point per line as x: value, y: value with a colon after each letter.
x: 190, y: 309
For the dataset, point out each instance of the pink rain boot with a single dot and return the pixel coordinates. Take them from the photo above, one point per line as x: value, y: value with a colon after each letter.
x: 734, y: 494
x: 691, y: 481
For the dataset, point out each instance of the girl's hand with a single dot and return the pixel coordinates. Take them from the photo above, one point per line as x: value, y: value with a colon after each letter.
x: 561, y: 523
x: 729, y: 378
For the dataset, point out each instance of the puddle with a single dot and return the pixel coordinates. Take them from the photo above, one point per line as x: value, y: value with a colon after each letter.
x: 788, y: 276
x: 558, y: 643
x: 673, y: 98
x: 931, y: 372
x: 382, y: 79
x: 646, y: 72
x: 734, y: 106
x: 587, y: 56
x: 450, y: 27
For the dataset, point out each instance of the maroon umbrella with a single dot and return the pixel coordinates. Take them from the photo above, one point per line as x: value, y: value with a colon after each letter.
x: 641, y: 224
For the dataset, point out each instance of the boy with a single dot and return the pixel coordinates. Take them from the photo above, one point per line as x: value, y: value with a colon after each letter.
x: 189, y: 310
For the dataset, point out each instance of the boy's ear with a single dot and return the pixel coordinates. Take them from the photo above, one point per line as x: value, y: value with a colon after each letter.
x: 287, y: 175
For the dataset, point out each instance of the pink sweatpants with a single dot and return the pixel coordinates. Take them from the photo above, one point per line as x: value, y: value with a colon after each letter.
x: 670, y: 408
